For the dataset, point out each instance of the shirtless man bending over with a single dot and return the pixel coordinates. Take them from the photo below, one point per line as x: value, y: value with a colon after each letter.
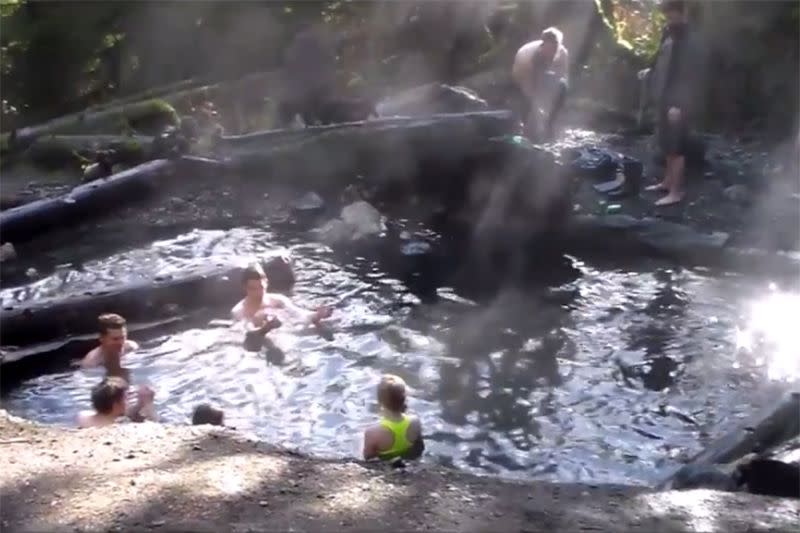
x: 257, y: 305
x: 541, y: 70
x: 114, y: 343
x: 109, y: 399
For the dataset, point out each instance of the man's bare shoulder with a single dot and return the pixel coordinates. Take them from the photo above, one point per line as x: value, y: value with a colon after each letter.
x: 85, y: 419
x: 238, y: 310
x: 131, y: 345
x: 529, y: 48
x: 93, y: 358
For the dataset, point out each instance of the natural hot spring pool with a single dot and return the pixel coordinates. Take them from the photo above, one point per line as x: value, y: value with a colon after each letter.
x: 530, y: 383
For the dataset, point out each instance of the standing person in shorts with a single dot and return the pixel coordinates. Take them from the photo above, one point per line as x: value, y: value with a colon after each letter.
x: 678, y: 86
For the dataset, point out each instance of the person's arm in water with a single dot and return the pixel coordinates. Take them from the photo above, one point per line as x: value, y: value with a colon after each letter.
x: 311, y: 317
x: 144, y: 408
x: 418, y: 446
x: 237, y: 313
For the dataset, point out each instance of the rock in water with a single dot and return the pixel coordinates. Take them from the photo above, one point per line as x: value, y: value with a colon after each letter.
x: 280, y: 273
x: 334, y: 232
x: 309, y: 203
x: 7, y: 252
x: 364, y: 219
x: 357, y: 221
x: 770, y: 477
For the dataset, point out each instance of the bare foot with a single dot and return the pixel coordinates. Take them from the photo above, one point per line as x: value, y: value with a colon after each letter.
x: 670, y: 199
x: 660, y: 187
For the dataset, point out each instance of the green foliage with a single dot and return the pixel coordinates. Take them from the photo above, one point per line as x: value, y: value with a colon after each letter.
x: 635, y: 24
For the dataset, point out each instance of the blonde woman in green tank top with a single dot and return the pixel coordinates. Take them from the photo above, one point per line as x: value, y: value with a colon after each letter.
x: 397, y: 434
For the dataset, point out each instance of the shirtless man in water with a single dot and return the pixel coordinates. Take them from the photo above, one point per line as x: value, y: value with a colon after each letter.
x: 255, y: 308
x: 109, y: 399
x: 114, y: 343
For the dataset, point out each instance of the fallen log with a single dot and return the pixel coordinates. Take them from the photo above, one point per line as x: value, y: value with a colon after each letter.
x: 764, y: 431
x: 383, y: 151
x: 101, y: 196
x: 29, y: 220
x: 430, y: 99
x: 216, y: 286
x: 54, y: 356
x: 152, y: 115
x: 156, y: 106
x: 57, y: 151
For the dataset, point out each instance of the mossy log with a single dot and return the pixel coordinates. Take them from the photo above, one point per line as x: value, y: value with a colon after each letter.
x: 150, y: 112
x: 216, y: 286
x: 57, y: 151
x: 149, y: 116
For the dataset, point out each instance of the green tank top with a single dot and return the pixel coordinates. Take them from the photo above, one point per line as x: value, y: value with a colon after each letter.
x: 399, y: 429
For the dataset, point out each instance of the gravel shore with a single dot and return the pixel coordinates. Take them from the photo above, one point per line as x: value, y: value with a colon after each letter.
x: 154, y: 477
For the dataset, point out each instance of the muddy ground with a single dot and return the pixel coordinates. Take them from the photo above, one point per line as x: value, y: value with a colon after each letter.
x: 152, y: 477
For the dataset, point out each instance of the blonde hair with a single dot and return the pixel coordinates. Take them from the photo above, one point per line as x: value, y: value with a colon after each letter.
x: 392, y: 393
x: 552, y: 34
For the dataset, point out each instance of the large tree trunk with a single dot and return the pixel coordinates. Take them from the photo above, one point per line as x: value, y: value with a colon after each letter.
x: 100, y: 197
x: 384, y: 151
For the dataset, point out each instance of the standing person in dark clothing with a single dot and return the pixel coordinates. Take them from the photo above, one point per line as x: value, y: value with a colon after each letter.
x: 677, y: 85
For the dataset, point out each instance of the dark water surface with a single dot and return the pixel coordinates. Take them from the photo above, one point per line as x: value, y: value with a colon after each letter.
x: 614, y: 375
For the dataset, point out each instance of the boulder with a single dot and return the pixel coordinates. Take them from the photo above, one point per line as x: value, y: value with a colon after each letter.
x: 357, y: 221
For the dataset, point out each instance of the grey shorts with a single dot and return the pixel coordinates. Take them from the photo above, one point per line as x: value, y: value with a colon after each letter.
x: 673, y: 139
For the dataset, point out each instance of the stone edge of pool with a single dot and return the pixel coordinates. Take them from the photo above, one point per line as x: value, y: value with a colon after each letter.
x: 142, y: 477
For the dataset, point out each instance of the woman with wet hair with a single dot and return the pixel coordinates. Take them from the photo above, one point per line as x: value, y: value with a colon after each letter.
x: 397, y: 434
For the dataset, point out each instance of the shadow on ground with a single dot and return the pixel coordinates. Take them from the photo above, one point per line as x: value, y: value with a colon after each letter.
x: 143, y: 477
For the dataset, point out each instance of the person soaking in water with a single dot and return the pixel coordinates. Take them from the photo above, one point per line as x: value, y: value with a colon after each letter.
x: 397, y: 434
x: 109, y: 400
x: 258, y: 306
x: 114, y: 344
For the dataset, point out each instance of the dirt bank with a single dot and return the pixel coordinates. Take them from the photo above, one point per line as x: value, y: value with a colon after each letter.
x: 153, y: 477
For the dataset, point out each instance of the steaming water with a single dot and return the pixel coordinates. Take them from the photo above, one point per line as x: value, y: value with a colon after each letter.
x: 565, y: 382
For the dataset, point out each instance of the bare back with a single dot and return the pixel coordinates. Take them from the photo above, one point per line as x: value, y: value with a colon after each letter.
x: 523, y: 71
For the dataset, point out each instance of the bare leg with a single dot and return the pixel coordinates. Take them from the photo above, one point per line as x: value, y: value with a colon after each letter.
x: 674, y: 180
